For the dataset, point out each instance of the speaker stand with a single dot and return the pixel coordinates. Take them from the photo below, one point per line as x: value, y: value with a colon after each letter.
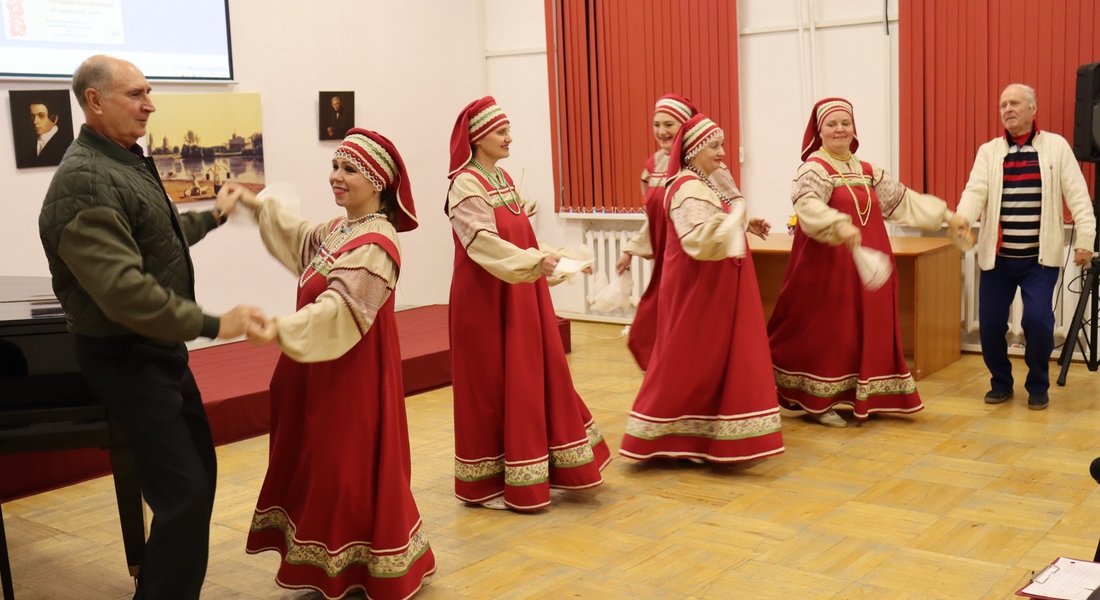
x: 1090, y: 296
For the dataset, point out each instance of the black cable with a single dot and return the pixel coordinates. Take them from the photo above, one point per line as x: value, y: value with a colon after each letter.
x: 1080, y: 277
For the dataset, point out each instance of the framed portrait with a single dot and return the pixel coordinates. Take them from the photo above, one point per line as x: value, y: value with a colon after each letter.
x: 41, y: 126
x: 336, y: 115
x: 200, y: 141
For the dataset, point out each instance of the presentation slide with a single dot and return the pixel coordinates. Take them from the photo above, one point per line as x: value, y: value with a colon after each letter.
x: 166, y: 40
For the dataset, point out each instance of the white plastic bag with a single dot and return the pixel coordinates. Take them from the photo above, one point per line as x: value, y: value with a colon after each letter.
x: 874, y: 267
x: 615, y: 295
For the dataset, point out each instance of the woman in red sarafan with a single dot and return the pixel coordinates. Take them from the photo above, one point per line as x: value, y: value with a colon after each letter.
x: 520, y: 426
x: 833, y: 340
x: 336, y: 502
x: 669, y: 114
x: 709, y: 392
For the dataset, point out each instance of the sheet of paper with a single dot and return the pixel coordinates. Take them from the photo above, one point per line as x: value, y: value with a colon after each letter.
x: 1066, y: 579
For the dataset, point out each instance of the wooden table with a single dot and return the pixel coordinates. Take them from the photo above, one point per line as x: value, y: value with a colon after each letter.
x: 929, y: 294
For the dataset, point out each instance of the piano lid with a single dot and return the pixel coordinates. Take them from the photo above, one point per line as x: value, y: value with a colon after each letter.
x: 28, y: 298
x: 33, y: 337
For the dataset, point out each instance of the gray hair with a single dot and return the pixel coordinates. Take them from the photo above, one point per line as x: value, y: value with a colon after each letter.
x: 1029, y: 92
x: 95, y: 73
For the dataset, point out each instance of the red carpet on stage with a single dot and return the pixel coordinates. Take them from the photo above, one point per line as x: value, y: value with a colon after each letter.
x: 233, y: 379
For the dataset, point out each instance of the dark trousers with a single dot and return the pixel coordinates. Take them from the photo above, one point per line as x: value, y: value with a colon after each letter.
x: 151, y: 393
x: 996, y: 291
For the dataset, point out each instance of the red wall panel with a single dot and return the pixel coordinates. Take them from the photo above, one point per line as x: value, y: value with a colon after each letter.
x: 613, y: 59
x: 957, y: 57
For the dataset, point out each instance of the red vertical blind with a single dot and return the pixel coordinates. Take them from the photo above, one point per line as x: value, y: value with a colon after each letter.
x: 609, y: 61
x: 955, y: 60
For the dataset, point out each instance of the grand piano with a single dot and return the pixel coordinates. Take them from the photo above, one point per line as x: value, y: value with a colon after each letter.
x: 45, y: 404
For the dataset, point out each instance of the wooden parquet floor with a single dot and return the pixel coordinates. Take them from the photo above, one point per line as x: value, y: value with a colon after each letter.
x: 961, y: 500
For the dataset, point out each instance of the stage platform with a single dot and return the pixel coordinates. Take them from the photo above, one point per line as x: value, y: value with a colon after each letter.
x: 234, y: 382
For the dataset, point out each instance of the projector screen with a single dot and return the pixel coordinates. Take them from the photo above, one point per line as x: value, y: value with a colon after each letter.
x: 166, y: 40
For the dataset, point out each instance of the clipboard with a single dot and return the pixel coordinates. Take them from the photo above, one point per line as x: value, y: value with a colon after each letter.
x: 1064, y: 579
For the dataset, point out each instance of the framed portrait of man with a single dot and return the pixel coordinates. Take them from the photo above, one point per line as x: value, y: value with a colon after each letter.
x: 41, y: 126
x: 336, y: 115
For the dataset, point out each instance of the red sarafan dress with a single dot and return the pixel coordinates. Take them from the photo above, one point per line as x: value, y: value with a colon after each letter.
x: 832, y: 340
x: 520, y: 426
x: 336, y: 502
x: 643, y: 329
x: 709, y: 392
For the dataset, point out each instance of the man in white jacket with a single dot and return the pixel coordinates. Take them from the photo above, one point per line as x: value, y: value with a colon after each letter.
x: 1017, y: 186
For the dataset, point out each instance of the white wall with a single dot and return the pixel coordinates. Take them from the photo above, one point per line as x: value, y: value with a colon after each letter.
x: 412, y: 64
x: 784, y: 71
x: 517, y: 76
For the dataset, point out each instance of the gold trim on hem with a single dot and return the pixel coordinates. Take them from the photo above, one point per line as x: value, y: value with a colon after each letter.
x: 386, y: 564
x: 879, y: 386
x: 712, y: 428
x: 535, y: 472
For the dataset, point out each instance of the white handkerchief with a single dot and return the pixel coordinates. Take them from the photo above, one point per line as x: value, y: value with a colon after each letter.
x: 722, y: 180
x: 965, y: 241
x: 733, y: 230
x: 874, y: 267
x: 568, y: 267
x: 615, y: 295
x: 596, y: 284
x: 284, y: 192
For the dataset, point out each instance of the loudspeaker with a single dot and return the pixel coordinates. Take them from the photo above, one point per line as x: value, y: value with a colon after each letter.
x: 1086, y: 114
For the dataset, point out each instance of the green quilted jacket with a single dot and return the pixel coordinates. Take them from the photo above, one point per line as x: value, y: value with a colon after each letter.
x: 118, y: 248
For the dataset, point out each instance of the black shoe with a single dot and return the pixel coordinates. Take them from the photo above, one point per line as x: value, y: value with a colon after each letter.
x: 995, y: 397
x: 1037, y: 401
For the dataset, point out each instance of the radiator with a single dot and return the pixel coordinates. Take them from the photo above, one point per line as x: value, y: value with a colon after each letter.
x: 1064, y: 305
x: 607, y: 246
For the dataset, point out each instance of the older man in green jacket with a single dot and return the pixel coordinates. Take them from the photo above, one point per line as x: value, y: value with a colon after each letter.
x: 118, y: 252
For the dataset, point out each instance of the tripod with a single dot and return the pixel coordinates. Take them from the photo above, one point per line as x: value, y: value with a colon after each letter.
x: 1090, y: 291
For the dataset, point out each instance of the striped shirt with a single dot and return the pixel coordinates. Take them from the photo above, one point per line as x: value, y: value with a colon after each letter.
x: 1021, y: 203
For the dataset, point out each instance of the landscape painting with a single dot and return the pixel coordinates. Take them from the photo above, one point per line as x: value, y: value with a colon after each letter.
x: 201, y: 141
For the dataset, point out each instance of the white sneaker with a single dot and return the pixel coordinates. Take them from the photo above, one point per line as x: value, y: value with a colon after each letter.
x: 496, y: 503
x: 830, y: 418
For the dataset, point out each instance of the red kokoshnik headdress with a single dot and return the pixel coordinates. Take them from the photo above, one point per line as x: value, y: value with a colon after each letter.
x: 677, y: 107
x: 474, y: 122
x: 811, y: 140
x: 692, y: 137
x: 378, y: 160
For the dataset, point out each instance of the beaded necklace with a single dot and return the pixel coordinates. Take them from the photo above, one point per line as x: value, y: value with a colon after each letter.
x: 367, y: 218
x: 336, y: 238
x: 864, y: 214
x: 712, y: 187
x: 499, y: 189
